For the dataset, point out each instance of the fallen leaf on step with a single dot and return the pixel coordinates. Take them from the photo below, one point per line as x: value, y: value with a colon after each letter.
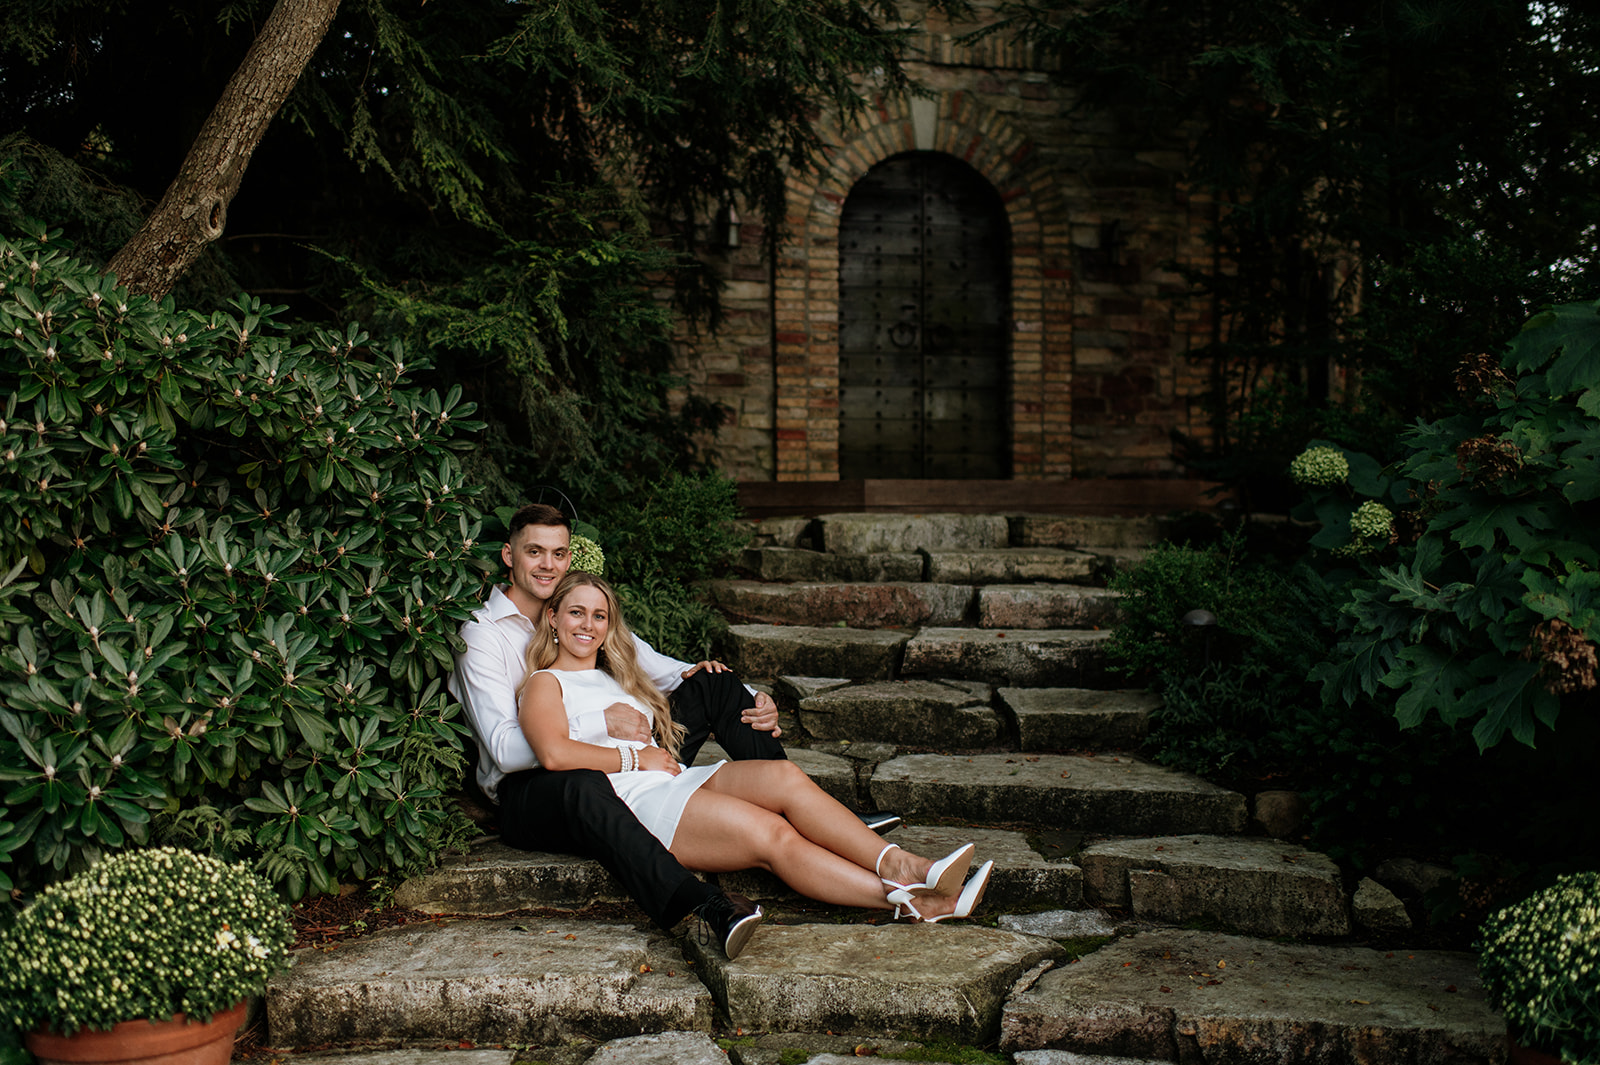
x: 1361, y: 1002
x: 646, y: 969
x: 1166, y: 990
x: 569, y: 935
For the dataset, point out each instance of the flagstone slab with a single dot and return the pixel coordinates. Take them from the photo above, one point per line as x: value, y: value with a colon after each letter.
x: 885, y: 604
x: 406, y: 1056
x: 862, y: 534
x: 1057, y: 719
x: 494, y: 879
x: 1021, y: 657
x: 1010, y: 565
x: 1257, y: 886
x: 661, y: 1048
x: 946, y: 980
x: 774, y: 650
x: 799, y: 564
x: 1021, y: 878
x: 487, y: 981
x: 915, y: 713
x: 1210, y: 997
x: 1094, y: 793
x: 1083, y: 531
x: 1047, y: 606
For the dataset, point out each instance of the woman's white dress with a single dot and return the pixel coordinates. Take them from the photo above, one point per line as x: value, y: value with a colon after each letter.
x: 656, y: 798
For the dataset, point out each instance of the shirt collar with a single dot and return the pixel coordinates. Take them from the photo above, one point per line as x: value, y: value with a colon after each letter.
x: 500, y: 607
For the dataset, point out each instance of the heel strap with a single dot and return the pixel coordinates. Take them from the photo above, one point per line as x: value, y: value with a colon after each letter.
x: 877, y: 866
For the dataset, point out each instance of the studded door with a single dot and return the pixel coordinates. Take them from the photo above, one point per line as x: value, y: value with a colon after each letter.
x: 923, y: 290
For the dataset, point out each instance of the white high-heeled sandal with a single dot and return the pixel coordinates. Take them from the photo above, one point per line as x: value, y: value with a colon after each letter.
x: 944, y: 876
x: 971, y: 895
x: 898, y: 894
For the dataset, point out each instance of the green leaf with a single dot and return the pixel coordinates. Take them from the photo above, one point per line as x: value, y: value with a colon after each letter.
x: 1431, y: 680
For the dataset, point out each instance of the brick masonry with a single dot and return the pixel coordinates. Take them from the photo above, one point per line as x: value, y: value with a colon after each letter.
x: 1099, y: 379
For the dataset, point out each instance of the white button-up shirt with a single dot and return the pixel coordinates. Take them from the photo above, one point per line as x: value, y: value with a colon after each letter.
x: 489, y: 675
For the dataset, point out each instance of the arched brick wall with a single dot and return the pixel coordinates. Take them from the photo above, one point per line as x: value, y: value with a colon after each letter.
x: 806, y: 284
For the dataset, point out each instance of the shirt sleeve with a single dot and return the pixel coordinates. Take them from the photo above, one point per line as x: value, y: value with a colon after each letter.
x: 487, y: 677
x: 665, y: 673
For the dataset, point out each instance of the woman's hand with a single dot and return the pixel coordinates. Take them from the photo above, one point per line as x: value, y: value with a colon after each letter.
x: 654, y: 758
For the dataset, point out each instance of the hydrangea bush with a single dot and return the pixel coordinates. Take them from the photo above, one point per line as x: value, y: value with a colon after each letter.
x: 1540, y: 964
x: 1479, y: 598
x: 587, y: 557
x: 142, y: 935
x: 232, y: 569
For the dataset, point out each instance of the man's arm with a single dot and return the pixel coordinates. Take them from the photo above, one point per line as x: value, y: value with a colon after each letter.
x: 487, y: 676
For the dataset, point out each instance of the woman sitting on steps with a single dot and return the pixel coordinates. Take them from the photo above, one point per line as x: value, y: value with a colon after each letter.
x: 723, y: 817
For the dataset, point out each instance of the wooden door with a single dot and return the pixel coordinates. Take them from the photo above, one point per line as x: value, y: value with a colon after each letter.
x: 923, y: 292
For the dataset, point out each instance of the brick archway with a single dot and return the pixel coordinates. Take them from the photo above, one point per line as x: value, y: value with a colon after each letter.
x: 806, y: 290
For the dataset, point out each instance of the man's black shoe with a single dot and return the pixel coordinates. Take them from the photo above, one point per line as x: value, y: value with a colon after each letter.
x: 882, y: 821
x: 731, y: 919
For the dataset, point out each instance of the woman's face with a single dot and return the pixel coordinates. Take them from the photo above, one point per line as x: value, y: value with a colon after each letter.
x: 581, y: 621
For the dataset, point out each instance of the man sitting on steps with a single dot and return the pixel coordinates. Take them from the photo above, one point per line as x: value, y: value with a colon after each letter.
x: 577, y: 811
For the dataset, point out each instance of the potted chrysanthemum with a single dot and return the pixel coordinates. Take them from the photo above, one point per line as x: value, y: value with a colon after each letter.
x: 1540, y: 964
x: 150, y: 953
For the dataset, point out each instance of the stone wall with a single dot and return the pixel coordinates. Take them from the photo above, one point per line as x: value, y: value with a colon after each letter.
x: 1099, y: 379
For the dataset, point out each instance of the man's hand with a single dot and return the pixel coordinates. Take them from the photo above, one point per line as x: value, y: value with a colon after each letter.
x: 623, y: 722
x: 709, y: 665
x: 763, y: 717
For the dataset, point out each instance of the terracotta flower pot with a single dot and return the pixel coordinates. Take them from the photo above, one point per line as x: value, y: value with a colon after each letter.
x: 1517, y: 1054
x: 178, y: 1041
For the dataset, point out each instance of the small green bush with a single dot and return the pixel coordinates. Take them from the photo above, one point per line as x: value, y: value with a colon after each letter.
x: 1229, y: 688
x: 233, y: 570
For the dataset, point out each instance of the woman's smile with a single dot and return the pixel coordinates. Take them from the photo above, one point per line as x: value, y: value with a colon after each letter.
x: 581, y: 621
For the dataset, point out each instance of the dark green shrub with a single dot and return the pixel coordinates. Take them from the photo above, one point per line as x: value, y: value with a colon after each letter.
x: 234, y: 567
x: 1483, y: 604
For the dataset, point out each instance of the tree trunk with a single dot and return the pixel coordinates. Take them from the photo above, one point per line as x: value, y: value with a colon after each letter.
x: 195, y: 207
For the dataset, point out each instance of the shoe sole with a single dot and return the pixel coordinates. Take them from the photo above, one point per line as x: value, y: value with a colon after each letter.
x: 881, y: 825
x: 739, y: 935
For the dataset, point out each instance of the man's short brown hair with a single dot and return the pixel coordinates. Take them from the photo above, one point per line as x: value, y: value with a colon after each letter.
x: 536, y: 514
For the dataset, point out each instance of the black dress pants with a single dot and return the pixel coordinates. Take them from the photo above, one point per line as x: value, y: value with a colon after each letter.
x: 575, y: 811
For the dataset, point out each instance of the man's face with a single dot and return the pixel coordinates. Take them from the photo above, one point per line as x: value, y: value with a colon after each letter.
x: 538, y: 557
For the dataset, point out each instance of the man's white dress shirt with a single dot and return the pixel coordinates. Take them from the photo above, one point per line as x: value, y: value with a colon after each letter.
x: 489, y: 676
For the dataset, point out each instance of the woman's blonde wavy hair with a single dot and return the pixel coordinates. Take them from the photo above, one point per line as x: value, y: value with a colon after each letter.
x: 616, y: 655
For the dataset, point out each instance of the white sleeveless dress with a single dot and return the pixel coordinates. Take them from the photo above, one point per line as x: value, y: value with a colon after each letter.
x: 657, y: 799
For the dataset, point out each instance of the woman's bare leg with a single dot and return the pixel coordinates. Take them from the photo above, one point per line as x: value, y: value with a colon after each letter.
x: 784, y: 789
x: 719, y: 833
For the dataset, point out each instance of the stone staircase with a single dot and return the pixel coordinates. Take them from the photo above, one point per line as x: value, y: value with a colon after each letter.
x: 953, y: 668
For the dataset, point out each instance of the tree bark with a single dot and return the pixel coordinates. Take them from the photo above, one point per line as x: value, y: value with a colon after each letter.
x: 194, y: 209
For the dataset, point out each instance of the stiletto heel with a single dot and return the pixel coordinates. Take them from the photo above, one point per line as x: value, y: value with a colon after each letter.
x: 971, y: 895
x: 903, y: 900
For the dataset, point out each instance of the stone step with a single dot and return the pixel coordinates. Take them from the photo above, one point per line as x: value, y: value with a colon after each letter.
x: 1090, y: 793
x: 912, y: 713
x: 536, y: 980
x: 1203, y: 996
x: 1083, y: 532
x: 1046, y: 606
x: 759, y: 651
x: 494, y: 879
x: 1059, y: 719
x: 1262, y: 887
x: 1018, y: 657
x: 865, y: 534
x: 801, y: 564
x: 1013, y: 565
x: 919, y: 981
x: 882, y: 605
